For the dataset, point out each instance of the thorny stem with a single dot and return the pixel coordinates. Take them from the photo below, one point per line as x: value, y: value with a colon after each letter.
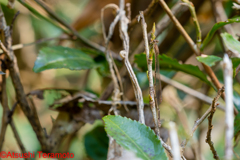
x: 195, y: 20
x: 149, y: 57
x: 210, y: 127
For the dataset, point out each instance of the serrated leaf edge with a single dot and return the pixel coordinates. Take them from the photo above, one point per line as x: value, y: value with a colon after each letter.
x: 149, y: 129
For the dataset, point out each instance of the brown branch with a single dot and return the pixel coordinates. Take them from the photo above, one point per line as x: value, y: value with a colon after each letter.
x: 199, y: 121
x: 210, y: 127
x: 11, y: 64
x: 4, y: 102
x: 7, y: 119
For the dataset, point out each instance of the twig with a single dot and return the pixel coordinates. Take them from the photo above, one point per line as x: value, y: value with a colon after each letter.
x: 20, y: 46
x: 174, y: 141
x: 195, y: 20
x: 4, y: 102
x: 11, y: 64
x: 199, y: 121
x: 160, y: 27
x: 7, y: 119
x: 124, y: 54
x: 229, y: 118
x: 190, y: 91
x: 116, y: 92
x: 18, y: 139
x: 210, y: 127
x: 13, y: 20
x: 149, y: 57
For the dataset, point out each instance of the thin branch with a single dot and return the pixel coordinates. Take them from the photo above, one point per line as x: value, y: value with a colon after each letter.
x: 149, y: 58
x: 174, y: 141
x: 11, y: 64
x: 204, y: 116
x: 124, y: 54
x: 18, y: 139
x: 160, y: 27
x: 116, y: 92
x: 195, y: 20
x: 229, y: 118
x: 43, y: 40
x: 210, y: 127
x: 6, y: 118
x: 5, y: 107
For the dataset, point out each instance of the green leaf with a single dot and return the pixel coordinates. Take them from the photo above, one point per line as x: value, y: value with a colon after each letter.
x: 135, y: 136
x: 231, y: 43
x: 96, y: 143
x: 168, y: 63
x: 62, y: 57
x: 215, y: 28
x: 237, y: 125
x: 209, y: 60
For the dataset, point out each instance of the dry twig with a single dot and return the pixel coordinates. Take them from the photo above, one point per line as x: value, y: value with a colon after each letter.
x: 210, y: 127
x: 11, y: 64
x: 149, y: 58
x: 124, y: 54
x: 204, y: 116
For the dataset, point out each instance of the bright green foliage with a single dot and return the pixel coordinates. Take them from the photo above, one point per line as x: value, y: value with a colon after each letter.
x: 209, y: 60
x: 237, y: 125
x: 215, y: 28
x: 62, y: 57
x: 96, y: 143
x: 135, y: 136
x: 231, y: 43
x: 168, y: 63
